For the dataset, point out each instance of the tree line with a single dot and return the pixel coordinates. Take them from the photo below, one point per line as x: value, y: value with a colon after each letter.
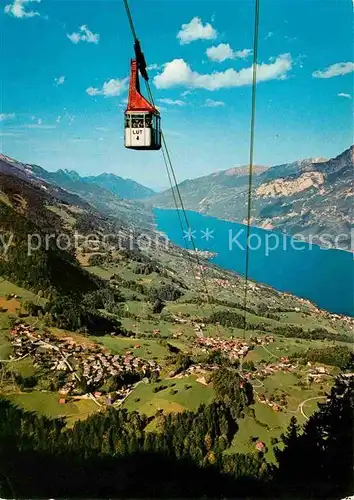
x: 112, y: 454
x: 339, y: 356
x: 292, y: 331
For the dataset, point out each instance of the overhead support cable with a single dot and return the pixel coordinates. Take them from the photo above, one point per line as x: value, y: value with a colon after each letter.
x: 130, y: 19
x: 168, y: 162
x: 251, y: 156
x: 175, y: 187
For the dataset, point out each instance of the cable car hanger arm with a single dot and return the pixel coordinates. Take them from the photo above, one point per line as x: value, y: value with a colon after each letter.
x: 139, y: 55
x: 168, y: 164
x: 140, y: 59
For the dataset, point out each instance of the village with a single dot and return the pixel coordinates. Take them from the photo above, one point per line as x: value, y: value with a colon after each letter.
x: 88, y: 370
x: 85, y: 366
x: 232, y: 348
x: 316, y: 373
x: 283, y: 365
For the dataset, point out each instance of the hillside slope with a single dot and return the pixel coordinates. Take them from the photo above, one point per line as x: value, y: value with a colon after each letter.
x: 30, y: 205
x: 118, y: 314
x: 312, y: 197
x: 32, y: 223
x: 132, y: 212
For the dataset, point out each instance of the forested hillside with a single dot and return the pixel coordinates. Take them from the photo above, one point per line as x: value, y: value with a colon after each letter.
x: 102, y: 457
x: 120, y: 361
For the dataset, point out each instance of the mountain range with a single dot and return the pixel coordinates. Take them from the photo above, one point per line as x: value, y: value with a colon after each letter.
x: 108, y: 193
x: 117, y: 341
x: 123, y: 188
x: 312, y: 197
x: 34, y: 210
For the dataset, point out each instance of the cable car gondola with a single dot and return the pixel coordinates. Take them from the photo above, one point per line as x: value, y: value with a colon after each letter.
x: 142, y: 119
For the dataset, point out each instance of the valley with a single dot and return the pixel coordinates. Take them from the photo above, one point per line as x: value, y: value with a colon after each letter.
x: 176, y: 250
x: 59, y: 372
x: 312, y: 199
x: 108, y: 325
x: 288, y: 264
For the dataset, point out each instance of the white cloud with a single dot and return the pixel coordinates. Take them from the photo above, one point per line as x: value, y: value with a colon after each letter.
x: 153, y: 67
x: 40, y: 125
x: 210, y: 103
x: 18, y: 9
x: 65, y: 117
x: 269, y: 35
x: 6, y: 116
x: 338, y: 69
x: 195, y: 30
x: 347, y: 96
x: 123, y: 103
x: 223, y: 51
x: 220, y: 53
x: 185, y: 93
x: 84, y: 35
x: 244, y: 53
x: 172, y: 102
x: 74, y: 37
x: 178, y: 72
x: 60, y: 80
x: 110, y: 88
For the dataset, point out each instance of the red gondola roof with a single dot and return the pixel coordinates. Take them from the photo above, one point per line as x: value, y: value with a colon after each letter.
x: 137, y: 102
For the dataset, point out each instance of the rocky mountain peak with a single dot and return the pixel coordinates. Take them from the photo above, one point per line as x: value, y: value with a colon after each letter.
x: 244, y: 170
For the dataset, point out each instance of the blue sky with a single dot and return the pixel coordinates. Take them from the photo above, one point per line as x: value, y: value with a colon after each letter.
x: 64, y: 68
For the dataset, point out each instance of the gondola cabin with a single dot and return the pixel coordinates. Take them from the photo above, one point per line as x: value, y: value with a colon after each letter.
x: 142, y: 119
x: 142, y: 130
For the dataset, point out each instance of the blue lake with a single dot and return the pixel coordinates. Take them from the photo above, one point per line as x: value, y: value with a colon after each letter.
x: 324, y: 276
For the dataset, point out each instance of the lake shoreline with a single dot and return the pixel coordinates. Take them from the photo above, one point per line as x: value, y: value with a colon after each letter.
x: 320, y: 275
x: 270, y: 230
